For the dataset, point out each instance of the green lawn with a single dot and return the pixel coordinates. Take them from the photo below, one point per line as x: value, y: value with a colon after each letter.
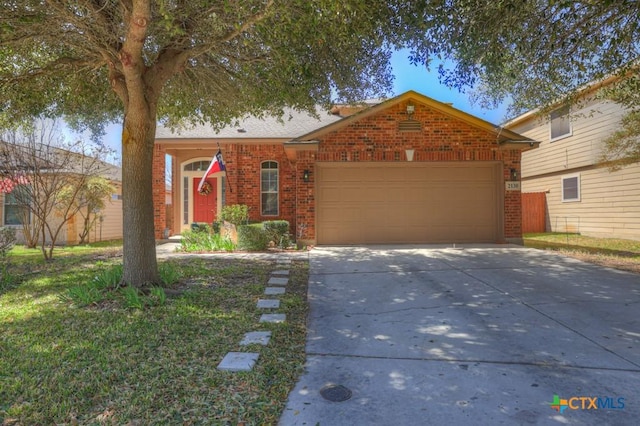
x: 610, y: 252
x: 106, y: 364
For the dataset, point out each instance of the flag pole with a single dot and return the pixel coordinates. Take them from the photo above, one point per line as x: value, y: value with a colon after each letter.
x: 226, y: 172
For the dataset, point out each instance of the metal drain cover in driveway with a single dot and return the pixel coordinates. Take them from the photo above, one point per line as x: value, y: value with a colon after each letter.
x: 335, y: 393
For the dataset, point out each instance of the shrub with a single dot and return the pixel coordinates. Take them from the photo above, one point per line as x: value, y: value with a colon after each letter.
x: 132, y: 298
x: 216, y: 227
x: 7, y: 240
x: 169, y: 274
x: 82, y: 295
x: 108, y: 278
x: 196, y: 241
x: 252, y: 237
x: 200, y: 227
x: 278, y: 232
x: 238, y: 214
x: 7, y: 279
x: 157, y: 297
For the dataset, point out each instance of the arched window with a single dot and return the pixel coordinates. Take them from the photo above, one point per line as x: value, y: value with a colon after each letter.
x: 269, y: 188
x: 196, y: 166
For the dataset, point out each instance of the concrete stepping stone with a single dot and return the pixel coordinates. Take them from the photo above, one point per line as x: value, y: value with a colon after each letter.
x: 268, y: 303
x: 278, y: 281
x: 284, y: 261
x: 273, y: 318
x: 271, y: 291
x: 280, y: 272
x: 238, y: 361
x: 256, y: 337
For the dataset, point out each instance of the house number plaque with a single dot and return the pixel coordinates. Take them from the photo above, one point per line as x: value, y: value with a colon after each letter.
x: 512, y: 186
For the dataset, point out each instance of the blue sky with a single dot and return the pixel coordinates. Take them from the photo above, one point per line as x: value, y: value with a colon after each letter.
x: 411, y: 77
x: 407, y: 77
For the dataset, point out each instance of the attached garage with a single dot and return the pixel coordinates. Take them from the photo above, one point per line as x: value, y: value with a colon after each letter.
x: 429, y: 202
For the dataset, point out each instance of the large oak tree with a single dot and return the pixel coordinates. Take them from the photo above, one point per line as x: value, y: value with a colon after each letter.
x: 539, y: 53
x: 93, y: 61
x: 534, y: 52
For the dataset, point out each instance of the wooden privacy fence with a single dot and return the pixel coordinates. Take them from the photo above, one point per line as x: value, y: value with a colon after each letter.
x: 534, y: 212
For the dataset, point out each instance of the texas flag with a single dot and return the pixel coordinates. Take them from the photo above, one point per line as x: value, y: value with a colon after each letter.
x: 217, y: 165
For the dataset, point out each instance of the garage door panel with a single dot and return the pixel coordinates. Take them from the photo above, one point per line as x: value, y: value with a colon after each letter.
x: 371, y: 195
x: 407, y: 202
x: 336, y: 214
x: 342, y: 235
x: 339, y: 194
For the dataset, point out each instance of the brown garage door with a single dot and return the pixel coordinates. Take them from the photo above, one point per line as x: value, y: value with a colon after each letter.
x: 364, y: 203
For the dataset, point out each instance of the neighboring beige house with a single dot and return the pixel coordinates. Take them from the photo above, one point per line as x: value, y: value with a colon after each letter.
x: 581, y: 195
x: 107, y: 227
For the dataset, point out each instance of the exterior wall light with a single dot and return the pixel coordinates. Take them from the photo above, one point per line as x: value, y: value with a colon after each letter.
x: 514, y: 174
x: 410, y: 110
x: 306, y: 175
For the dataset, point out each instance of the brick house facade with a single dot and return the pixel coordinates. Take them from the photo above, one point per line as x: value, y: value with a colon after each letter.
x: 409, y: 169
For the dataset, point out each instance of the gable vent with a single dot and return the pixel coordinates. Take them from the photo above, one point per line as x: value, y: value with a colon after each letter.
x: 410, y: 126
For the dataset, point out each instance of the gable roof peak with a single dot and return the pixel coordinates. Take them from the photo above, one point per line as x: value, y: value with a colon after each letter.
x: 445, y: 108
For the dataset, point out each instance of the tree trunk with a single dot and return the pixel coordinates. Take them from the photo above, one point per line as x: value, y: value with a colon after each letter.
x: 140, y: 267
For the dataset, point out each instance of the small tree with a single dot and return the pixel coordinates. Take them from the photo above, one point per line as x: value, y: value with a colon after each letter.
x: 90, y: 201
x: 48, y: 176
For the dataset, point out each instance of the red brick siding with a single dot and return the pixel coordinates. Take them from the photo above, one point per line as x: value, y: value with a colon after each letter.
x: 512, y: 199
x: 159, y: 191
x: 373, y: 138
x: 443, y: 138
x: 305, y: 216
x: 243, y: 164
x: 243, y: 172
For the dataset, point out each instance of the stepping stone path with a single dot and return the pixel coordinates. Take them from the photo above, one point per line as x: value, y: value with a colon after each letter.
x: 256, y: 338
x: 274, y: 318
x: 238, y: 361
x: 268, y: 303
x: 244, y: 361
x: 278, y: 281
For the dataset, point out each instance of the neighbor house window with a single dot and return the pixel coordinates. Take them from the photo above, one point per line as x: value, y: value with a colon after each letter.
x: 14, y: 212
x: 269, y: 188
x: 571, y: 188
x: 560, y: 123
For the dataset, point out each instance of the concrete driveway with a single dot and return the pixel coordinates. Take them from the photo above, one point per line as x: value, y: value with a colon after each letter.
x: 481, y: 335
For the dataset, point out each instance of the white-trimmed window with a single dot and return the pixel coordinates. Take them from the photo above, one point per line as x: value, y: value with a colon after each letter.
x: 269, y: 188
x: 570, y: 188
x: 14, y: 212
x: 559, y: 124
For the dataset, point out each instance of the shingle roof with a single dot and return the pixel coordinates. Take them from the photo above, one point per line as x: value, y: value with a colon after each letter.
x: 291, y: 125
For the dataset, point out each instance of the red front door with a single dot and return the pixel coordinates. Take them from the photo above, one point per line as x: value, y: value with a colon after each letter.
x: 204, y: 206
